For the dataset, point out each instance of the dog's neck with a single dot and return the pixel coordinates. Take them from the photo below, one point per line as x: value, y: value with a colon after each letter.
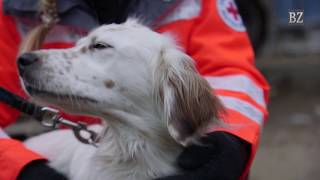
x: 138, y: 145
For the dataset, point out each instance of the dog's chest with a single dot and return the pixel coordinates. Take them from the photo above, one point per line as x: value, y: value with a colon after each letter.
x: 110, y: 163
x: 96, y: 168
x: 115, y: 161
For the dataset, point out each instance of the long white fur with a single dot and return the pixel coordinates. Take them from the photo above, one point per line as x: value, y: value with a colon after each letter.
x: 136, y: 143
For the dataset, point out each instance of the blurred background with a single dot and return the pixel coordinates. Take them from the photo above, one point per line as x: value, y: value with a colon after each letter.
x: 289, y: 56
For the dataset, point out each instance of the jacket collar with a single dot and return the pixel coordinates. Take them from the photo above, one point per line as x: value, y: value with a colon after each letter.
x: 78, y: 13
x: 71, y: 12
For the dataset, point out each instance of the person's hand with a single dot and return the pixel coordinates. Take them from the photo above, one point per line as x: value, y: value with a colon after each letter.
x: 39, y: 170
x: 221, y: 157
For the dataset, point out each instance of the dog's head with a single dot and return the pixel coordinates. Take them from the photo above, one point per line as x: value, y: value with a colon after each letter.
x: 125, y: 71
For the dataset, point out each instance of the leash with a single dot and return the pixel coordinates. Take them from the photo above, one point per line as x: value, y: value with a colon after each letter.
x: 49, y: 117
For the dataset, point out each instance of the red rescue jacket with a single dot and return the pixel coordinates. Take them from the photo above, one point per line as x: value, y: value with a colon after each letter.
x: 211, y: 31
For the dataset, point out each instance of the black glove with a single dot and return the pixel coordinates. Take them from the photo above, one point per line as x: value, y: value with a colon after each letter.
x: 221, y: 157
x: 39, y: 170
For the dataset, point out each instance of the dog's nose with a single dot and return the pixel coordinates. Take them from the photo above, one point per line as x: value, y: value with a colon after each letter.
x: 26, y: 60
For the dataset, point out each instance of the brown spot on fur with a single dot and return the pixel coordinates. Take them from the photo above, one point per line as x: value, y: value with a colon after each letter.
x: 93, y: 40
x: 109, y: 84
x: 83, y: 50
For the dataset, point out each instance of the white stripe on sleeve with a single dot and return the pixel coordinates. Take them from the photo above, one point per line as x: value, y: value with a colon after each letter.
x: 242, y: 107
x: 239, y: 83
x: 3, y: 134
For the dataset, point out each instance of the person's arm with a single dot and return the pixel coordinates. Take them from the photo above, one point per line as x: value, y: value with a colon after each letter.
x: 223, y: 54
x: 221, y: 156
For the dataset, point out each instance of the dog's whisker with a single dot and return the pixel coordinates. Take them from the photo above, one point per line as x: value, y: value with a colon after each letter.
x: 79, y: 103
x: 71, y: 100
x: 76, y: 101
x: 59, y: 97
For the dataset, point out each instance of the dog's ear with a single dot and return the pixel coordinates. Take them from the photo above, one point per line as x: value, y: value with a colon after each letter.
x: 187, y: 99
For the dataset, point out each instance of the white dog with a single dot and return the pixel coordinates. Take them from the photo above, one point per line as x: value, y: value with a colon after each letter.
x: 147, y: 91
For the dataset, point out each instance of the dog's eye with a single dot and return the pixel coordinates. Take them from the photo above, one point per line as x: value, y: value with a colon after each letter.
x: 100, y: 45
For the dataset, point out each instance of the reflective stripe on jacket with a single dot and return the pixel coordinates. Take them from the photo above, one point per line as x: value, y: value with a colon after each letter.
x: 211, y: 31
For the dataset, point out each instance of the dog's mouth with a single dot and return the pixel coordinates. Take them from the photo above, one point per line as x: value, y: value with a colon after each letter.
x: 58, y: 96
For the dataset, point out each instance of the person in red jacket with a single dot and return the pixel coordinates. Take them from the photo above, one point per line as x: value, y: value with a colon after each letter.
x: 211, y: 31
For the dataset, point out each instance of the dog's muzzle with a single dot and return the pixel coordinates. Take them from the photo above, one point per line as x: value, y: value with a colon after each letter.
x: 25, y: 61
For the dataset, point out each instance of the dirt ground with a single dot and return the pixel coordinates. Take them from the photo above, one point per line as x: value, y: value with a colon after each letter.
x: 290, y: 144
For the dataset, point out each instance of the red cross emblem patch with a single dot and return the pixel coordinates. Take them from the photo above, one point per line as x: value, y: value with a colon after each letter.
x: 229, y: 13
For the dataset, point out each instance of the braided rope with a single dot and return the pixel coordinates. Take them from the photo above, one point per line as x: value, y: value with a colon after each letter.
x: 49, y: 17
x: 49, y: 12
